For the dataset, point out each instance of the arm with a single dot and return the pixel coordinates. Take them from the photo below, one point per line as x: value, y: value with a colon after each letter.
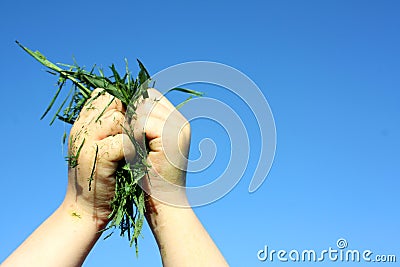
x: 181, y: 238
x: 68, y: 235
x: 61, y: 240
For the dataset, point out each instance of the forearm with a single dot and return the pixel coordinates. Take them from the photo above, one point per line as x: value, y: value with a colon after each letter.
x: 181, y: 238
x: 64, y: 239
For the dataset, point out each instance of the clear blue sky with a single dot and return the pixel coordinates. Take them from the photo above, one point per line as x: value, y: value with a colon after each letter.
x: 329, y: 69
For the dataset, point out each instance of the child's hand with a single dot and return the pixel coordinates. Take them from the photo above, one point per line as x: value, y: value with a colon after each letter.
x: 96, y: 146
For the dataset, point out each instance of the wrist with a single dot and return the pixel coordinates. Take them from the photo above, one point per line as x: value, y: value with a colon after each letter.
x: 81, y: 216
x: 161, y: 215
x: 161, y: 203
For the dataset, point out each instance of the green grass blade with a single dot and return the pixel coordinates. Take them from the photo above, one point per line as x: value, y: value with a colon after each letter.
x: 187, y: 91
x: 104, y: 109
x: 184, y: 102
x: 53, y: 100
x: 93, y: 168
x: 40, y: 57
x: 61, y: 106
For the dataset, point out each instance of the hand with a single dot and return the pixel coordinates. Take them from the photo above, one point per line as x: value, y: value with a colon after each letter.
x: 95, y: 147
x: 168, y: 135
x: 181, y: 238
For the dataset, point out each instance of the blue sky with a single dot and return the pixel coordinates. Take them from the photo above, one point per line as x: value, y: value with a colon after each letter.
x: 329, y: 70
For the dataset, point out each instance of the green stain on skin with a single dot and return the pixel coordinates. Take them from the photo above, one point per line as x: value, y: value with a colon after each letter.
x: 76, y: 215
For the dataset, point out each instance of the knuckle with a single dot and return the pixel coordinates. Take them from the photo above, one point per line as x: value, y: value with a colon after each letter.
x: 153, y: 93
x: 118, y: 118
x: 149, y: 105
x: 96, y: 91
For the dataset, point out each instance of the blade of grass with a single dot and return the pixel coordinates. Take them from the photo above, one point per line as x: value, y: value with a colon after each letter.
x: 53, y: 100
x: 93, y: 168
x: 185, y: 90
x: 42, y: 59
x: 180, y: 105
x: 61, y: 106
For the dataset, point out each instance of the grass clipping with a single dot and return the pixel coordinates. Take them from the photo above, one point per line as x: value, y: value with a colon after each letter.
x: 128, y: 203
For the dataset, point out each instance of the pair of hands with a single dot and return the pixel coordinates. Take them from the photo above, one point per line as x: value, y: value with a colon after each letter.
x: 67, y: 236
x: 99, y: 132
x: 181, y: 238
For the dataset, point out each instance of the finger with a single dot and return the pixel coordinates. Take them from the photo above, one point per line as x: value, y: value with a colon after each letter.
x: 100, y: 102
x: 101, y: 99
x: 110, y: 123
x: 165, y: 107
x: 162, y: 131
x: 155, y: 96
x: 147, y: 127
x: 147, y: 113
x: 150, y: 118
x: 160, y: 98
x: 156, y: 117
x: 115, y: 148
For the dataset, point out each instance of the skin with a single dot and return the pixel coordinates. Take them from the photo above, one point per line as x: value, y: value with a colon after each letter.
x: 181, y: 238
